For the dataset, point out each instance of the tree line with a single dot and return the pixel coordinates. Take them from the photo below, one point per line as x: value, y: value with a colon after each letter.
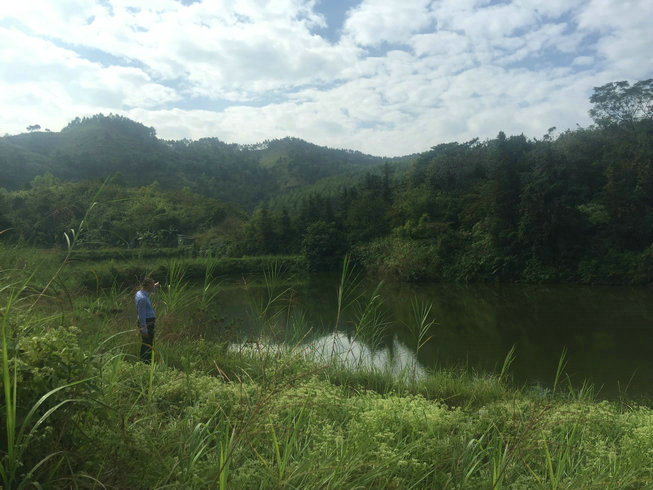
x: 577, y: 206
x: 99, y: 146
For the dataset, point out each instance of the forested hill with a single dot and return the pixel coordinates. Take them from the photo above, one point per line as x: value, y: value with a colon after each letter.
x: 101, y: 146
x: 576, y: 207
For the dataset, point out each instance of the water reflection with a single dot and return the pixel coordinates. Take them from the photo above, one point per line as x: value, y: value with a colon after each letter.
x: 346, y: 351
x: 396, y: 358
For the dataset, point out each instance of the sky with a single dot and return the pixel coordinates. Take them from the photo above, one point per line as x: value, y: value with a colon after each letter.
x: 385, y: 77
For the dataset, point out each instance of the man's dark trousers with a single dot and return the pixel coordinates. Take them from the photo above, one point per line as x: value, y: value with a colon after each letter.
x: 147, y: 341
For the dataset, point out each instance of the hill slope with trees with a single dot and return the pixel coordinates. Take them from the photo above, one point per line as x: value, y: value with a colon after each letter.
x: 576, y: 207
x: 100, y: 146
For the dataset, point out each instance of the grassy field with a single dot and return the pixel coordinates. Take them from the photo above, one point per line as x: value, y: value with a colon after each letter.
x: 80, y: 412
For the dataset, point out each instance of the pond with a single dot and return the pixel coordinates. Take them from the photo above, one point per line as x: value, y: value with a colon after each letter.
x: 606, y: 331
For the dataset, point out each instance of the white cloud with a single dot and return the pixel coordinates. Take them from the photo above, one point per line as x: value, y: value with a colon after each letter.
x: 50, y: 84
x: 375, y: 22
x: 42, y: 63
x: 627, y: 39
x: 583, y: 60
x: 456, y: 69
x: 445, y: 43
x: 221, y: 49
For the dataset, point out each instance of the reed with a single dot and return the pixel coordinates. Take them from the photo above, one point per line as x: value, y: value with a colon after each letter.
x: 420, y: 327
x: 562, y: 364
x: 198, y: 438
x: 284, y: 448
x: 226, y: 450
x: 498, y: 451
x: 507, y: 362
x: 210, y: 288
x: 174, y: 294
x: 369, y: 322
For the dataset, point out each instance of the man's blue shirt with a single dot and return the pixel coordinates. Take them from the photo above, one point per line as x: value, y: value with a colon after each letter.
x: 143, y: 306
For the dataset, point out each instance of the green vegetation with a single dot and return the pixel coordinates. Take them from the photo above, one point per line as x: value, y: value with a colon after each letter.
x: 80, y: 411
x: 101, y: 146
x: 269, y: 407
x: 571, y: 208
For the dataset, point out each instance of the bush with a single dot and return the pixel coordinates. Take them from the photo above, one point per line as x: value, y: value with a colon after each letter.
x: 323, y: 246
x: 401, y: 258
x: 104, y: 275
x: 47, y: 360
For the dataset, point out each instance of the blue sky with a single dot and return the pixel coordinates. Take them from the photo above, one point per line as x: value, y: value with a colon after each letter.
x: 380, y: 76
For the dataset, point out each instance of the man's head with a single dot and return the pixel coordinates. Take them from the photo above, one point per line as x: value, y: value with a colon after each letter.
x: 148, y: 284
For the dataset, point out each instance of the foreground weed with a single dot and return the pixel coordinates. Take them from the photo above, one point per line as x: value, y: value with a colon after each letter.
x: 507, y: 362
x: 174, y: 294
x: 151, y: 370
x: 227, y: 444
x: 468, y: 464
x: 498, y: 451
x: 562, y: 364
x: 19, y: 436
x: 420, y: 327
x: 198, y: 438
x: 370, y: 324
x: 560, y: 461
x: 209, y: 290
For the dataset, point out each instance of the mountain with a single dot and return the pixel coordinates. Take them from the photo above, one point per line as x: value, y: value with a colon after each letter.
x: 102, y: 146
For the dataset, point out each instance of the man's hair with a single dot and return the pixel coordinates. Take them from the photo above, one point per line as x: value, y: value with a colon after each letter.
x: 148, y: 282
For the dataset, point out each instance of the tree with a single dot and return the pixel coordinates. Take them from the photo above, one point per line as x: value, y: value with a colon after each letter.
x: 550, y: 223
x: 618, y: 103
x: 323, y: 245
x: 505, y: 188
x: 34, y: 127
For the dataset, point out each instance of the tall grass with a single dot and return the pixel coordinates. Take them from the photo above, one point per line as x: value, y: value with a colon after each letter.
x: 218, y: 417
x: 19, y: 435
x: 420, y: 327
x: 71, y: 240
x: 22, y: 427
x: 562, y: 364
x: 369, y: 321
x: 174, y: 294
x: 10, y: 464
x: 507, y: 362
x: 209, y: 289
x: 560, y: 460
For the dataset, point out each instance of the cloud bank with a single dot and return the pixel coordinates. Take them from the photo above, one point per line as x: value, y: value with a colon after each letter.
x: 386, y: 78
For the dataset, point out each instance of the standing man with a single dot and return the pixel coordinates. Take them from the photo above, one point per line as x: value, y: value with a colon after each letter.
x: 146, y: 318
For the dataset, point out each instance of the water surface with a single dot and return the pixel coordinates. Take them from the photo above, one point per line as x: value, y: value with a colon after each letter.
x: 607, y: 331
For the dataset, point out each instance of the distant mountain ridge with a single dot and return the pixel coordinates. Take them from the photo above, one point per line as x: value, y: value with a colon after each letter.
x: 102, y: 146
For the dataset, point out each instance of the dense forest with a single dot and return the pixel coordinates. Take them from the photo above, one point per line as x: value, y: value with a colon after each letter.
x: 577, y: 206
x: 101, y: 146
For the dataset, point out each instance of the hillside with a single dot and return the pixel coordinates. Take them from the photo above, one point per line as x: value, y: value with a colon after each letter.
x: 101, y: 146
x: 571, y: 208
